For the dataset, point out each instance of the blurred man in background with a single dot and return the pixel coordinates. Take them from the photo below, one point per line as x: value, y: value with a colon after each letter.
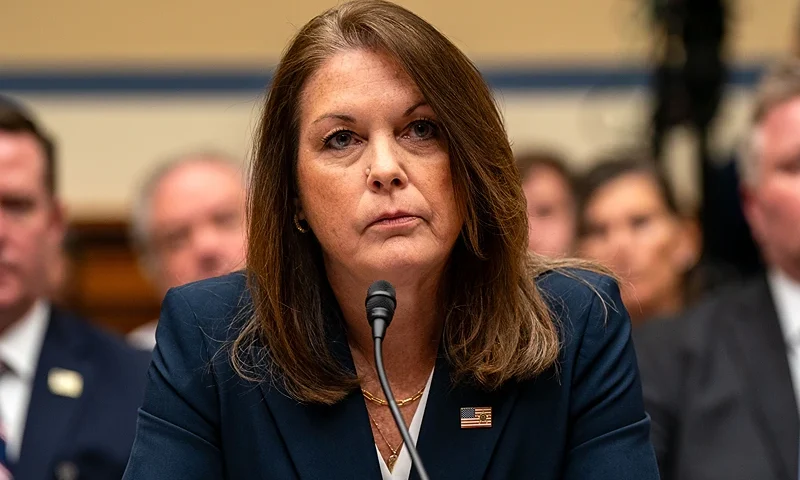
x: 549, y: 191
x: 722, y: 382
x: 188, y: 224
x: 69, y: 393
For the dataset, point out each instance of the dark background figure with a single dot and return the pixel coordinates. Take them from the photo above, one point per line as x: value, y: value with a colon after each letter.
x: 69, y: 393
x: 721, y: 382
x: 688, y: 87
x: 549, y: 189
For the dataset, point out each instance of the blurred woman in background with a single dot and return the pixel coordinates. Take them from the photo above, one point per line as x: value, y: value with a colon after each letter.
x: 630, y: 221
x: 549, y: 190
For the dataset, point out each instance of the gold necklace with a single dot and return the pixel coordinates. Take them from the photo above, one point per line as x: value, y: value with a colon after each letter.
x: 393, y: 457
x: 400, y: 403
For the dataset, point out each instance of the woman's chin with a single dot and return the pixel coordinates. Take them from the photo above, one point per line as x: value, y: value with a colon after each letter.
x: 402, y: 263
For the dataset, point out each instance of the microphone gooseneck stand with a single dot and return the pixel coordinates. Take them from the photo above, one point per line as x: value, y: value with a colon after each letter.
x: 380, y: 305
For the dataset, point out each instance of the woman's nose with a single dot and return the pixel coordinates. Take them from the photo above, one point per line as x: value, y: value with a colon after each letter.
x: 386, y: 171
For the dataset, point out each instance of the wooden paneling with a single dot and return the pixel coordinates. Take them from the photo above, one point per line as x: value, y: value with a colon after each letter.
x: 103, y: 280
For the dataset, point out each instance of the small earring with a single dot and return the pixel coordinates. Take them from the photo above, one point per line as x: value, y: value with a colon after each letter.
x: 298, y: 225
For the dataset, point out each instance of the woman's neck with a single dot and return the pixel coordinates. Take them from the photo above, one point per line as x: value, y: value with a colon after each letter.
x: 669, y: 304
x: 412, y: 339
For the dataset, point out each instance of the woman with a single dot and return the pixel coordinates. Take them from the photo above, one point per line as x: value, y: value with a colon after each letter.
x: 629, y: 220
x: 381, y: 156
x: 549, y: 191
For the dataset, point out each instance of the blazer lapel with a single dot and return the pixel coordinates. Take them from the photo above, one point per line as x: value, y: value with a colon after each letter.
x: 448, y: 450
x: 332, y: 442
x: 758, y: 338
x: 326, y: 442
x: 336, y: 441
x: 51, y: 411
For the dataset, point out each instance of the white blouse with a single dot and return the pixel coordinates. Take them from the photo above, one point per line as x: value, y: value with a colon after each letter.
x: 402, y: 467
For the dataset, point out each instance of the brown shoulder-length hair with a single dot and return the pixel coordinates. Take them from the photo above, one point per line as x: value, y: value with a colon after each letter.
x: 497, y: 327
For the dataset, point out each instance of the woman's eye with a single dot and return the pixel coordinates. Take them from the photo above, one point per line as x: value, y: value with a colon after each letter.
x: 339, y: 140
x: 423, y: 129
x: 640, y: 221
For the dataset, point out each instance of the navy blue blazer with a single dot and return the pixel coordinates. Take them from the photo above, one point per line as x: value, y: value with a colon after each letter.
x: 88, y: 437
x: 200, y: 421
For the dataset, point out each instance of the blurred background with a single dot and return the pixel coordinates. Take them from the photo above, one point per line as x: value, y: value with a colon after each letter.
x: 123, y: 85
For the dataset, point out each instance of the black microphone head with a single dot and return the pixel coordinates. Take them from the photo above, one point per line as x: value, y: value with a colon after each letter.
x: 381, y: 286
x: 381, y: 301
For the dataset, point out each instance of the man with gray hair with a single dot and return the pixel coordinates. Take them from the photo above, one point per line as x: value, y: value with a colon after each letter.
x: 187, y: 224
x: 722, y: 382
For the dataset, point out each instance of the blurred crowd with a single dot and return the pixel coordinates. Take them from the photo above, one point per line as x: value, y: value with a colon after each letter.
x: 719, y: 351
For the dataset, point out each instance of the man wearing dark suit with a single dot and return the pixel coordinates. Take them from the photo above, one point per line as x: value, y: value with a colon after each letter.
x: 721, y: 383
x: 68, y: 392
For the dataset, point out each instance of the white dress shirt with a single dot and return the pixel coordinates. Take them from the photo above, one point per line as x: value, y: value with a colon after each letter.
x: 20, y: 346
x: 144, y: 336
x: 402, y: 467
x: 786, y: 296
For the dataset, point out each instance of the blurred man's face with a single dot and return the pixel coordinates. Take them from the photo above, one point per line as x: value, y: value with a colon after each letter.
x: 197, y: 223
x: 551, y: 212
x: 772, y: 201
x: 31, y: 225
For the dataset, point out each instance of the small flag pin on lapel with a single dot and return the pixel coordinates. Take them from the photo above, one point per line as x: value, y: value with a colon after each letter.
x: 476, y: 417
x: 65, y: 383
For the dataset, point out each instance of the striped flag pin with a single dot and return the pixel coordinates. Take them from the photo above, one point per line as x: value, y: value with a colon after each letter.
x: 476, y: 417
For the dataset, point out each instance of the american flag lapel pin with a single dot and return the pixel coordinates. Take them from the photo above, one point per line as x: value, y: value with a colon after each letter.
x: 476, y: 417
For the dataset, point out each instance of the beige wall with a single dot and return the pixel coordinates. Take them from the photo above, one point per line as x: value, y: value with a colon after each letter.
x: 37, y: 32
x: 108, y: 143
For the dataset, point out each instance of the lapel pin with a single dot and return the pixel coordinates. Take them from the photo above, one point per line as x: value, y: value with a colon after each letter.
x: 65, y: 383
x: 66, y: 471
x: 476, y: 417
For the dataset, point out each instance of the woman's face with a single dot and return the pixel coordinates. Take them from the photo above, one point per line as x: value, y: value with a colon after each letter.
x: 629, y: 228
x: 373, y: 171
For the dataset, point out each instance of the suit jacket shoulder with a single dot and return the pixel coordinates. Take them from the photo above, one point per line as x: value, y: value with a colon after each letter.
x: 717, y: 384
x: 670, y: 348
x: 581, y: 300
x: 82, y: 412
x: 691, y: 331
x: 119, y: 357
x: 219, y: 306
x: 599, y: 376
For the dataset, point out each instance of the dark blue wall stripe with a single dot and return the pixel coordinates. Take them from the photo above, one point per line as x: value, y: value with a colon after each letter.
x: 203, y: 81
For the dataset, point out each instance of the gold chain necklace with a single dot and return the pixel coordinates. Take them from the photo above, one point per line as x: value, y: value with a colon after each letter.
x: 400, y: 403
x: 393, y: 457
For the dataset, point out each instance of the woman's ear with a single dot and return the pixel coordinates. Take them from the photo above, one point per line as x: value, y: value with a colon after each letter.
x: 298, y: 209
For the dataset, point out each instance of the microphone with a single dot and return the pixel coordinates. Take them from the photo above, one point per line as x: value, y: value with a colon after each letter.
x: 381, y: 302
